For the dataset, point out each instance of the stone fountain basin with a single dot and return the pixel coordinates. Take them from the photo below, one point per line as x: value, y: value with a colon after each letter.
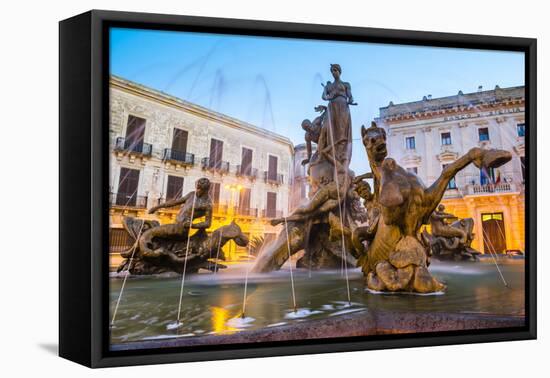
x: 360, y: 323
x: 476, y: 299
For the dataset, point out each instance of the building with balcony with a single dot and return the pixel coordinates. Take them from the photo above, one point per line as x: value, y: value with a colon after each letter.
x: 160, y: 145
x: 424, y: 136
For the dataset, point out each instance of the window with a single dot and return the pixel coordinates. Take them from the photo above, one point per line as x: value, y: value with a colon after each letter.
x: 271, y: 207
x: 244, y: 200
x: 179, y: 141
x: 486, y: 176
x: 452, y: 182
x: 127, y: 187
x: 272, y: 168
x: 135, y: 132
x: 216, y: 153
x: 446, y: 139
x: 246, y: 161
x: 483, y: 134
x: 119, y: 240
x: 174, y: 188
x: 521, y: 129
x: 410, y: 143
x: 413, y: 170
x: 215, y: 192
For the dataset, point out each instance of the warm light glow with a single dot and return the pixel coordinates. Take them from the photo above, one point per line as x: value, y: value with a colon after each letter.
x: 220, y: 316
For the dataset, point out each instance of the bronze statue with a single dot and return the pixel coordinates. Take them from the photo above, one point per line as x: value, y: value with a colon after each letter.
x: 319, y: 225
x: 196, y: 204
x: 450, y: 241
x: 164, y: 248
x: 387, y: 245
x: 338, y: 120
x: 396, y: 259
x: 440, y: 227
x: 203, y: 248
x: 314, y: 133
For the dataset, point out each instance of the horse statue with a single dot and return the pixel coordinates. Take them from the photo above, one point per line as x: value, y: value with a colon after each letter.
x: 172, y: 252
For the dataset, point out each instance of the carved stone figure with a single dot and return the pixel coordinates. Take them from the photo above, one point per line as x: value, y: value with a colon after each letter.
x: 196, y: 204
x: 450, y: 241
x: 396, y: 259
x: 203, y: 248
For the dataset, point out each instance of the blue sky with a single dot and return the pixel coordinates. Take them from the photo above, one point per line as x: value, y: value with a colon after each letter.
x: 275, y: 83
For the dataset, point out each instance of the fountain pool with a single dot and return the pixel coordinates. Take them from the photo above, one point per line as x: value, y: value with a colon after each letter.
x: 212, y: 304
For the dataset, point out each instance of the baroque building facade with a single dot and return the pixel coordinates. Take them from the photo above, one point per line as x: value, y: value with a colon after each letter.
x: 424, y: 136
x: 161, y: 145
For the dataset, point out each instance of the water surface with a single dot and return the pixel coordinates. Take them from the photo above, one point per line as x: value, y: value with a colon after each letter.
x: 212, y: 303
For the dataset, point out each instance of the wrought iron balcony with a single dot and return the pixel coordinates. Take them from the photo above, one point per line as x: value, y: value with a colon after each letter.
x: 246, y: 211
x: 127, y: 200
x: 249, y: 172
x: 129, y: 146
x: 215, y: 165
x: 273, y: 178
x: 175, y: 156
x: 272, y: 213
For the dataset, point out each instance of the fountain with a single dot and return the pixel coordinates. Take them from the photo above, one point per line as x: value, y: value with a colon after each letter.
x: 346, y: 224
x: 389, y: 249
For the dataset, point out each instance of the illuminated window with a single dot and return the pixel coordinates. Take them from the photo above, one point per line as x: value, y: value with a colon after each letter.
x: 410, y: 143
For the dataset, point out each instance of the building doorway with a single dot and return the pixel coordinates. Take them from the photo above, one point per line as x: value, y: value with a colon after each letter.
x: 494, y: 235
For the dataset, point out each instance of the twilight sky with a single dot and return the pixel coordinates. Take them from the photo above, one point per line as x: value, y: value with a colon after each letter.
x: 275, y: 83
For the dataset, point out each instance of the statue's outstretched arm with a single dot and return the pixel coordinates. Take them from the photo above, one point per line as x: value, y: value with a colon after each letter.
x: 172, y: 203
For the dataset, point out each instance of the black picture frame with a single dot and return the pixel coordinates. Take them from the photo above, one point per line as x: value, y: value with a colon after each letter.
x: 83, y: 166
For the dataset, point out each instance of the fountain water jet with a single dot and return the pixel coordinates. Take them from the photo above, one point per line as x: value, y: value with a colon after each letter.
x: 185, y: 263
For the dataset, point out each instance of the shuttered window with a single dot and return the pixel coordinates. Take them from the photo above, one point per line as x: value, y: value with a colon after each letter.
x: 174, y: 188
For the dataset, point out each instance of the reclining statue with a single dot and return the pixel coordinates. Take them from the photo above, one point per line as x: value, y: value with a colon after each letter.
x: 203, y: 249
x: 160, y: 248
x: 450, y: 241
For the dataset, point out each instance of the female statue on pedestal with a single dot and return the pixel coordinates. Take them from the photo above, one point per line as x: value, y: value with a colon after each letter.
x: 338, y: 120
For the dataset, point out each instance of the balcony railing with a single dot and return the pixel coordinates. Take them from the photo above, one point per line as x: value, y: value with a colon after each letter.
x: 130, y: 146
x: 215, y: 165
x: 273, y: 178
x: 272, y: 213
x: 492, y: 188
x: 127, y: 200
x: 246, y: 211
x: 251, y: 173
x: 181, y: 157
